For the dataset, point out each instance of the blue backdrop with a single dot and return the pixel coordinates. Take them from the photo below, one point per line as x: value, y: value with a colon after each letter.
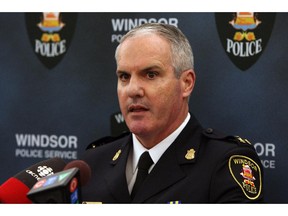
x: 58, y: 87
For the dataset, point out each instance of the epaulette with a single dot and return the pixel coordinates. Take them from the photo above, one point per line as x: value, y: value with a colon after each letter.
x: 214, y: 134
x: 105, y: 140
x: 240, y: 140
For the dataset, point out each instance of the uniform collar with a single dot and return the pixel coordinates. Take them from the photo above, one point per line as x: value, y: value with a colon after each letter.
x: 157, y: 151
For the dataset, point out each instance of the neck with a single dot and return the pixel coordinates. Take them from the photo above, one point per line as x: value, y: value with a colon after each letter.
x: 149, y: 141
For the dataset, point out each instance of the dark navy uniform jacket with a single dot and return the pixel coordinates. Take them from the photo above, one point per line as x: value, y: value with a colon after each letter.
x: 201, y: 166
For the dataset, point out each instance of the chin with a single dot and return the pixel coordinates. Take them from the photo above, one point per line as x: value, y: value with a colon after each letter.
x: 138, y: 130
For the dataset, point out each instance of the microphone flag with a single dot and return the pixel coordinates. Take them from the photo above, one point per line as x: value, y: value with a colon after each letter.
x: 61, y: 187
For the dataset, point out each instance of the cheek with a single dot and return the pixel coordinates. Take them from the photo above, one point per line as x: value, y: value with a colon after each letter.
x: 168, y: 97
x: 121, y: 97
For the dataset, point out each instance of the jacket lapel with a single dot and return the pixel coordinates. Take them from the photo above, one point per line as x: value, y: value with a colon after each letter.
x: 116, y: 177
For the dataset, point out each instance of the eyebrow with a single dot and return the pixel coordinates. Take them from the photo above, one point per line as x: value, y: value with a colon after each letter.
x: 120, y: 72
x: 145, y: 69
x: 151, y: 68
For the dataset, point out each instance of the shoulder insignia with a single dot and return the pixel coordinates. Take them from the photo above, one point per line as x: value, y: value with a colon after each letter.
x: 213, y: 134
x: 105, y: 140
x: 242, y: 140
x: 247, y: 174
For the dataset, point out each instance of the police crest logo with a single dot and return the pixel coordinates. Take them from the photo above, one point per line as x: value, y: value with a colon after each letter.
x: 50, y: 35
x: 244, y: 35
x: 247, y: 174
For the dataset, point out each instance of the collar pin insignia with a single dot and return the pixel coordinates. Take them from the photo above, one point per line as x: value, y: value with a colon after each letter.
x: 190, y: 154
x: 116, y: 155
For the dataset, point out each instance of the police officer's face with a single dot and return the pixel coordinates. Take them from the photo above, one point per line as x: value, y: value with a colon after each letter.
x: 151, y: 98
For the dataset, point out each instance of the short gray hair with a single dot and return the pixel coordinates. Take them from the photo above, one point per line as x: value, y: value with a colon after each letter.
x: 181, y: 51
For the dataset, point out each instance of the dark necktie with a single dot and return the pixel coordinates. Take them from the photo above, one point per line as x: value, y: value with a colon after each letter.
x: 144, y: 164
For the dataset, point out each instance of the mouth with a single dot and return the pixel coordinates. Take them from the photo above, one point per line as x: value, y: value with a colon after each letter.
x: 137, y: 108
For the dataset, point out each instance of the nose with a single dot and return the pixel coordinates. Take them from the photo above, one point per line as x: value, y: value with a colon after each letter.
x: 135, y: 88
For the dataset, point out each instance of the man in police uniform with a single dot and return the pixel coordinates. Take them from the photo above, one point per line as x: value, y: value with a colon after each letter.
x: 187, y: 164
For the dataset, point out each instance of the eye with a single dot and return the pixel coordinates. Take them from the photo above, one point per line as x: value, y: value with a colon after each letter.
x: 151, y: 75
x: 123, y: 76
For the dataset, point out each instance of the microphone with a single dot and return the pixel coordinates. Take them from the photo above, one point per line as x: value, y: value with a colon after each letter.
x: 15, y: 189
x: 85, y: 170
x: 62, y: 187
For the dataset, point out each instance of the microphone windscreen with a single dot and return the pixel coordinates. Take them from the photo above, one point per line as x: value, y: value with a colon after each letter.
x: 15, y: 189
x: 85, y: 170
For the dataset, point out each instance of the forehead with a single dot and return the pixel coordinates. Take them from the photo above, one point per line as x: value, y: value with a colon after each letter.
x: 144, y: 46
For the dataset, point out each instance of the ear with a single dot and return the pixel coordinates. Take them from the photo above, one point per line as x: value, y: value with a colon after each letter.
x: 188, y: 79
